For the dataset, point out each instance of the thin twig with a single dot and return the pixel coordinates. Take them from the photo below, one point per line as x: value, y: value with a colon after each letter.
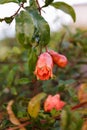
x: 20, y: 126
x: 78, y: 106
x: 21, y: 5
x: 12, y: 62
x: 39, y: 8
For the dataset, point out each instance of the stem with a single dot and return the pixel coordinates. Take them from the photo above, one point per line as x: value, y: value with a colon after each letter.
x: 46, y: 48
x: 8, y: 62
x: 39, y: 8
x: 78, y: 106
x: 40, y: 50
x: 20, y: 126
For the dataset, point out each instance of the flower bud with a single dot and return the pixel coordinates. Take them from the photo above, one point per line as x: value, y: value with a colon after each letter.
x: 53, y: 102
x: 58, y: 59
x: 44, y: 67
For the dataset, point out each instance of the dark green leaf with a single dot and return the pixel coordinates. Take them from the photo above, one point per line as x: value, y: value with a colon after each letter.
x: 1, y: 20
x: 10, y: 76
x: 23, y: 81
x: 13, y: 91
x: 48, y: 2
x: 42, y: 30
x: 70, y: 81
x: 70, y: 120
x: 24, y: 29
x: 8, y: 19
x: 7, y: 1
x: 32, y: 60
x: 66, y: 8
x: 22, y: 1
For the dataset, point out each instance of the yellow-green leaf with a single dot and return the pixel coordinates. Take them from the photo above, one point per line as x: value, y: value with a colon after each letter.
x: 8, y: 1
x: 64, y: 119
x: 34, y: 104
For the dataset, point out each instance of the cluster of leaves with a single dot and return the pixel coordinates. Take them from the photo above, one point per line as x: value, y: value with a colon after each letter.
x: 17, y: 81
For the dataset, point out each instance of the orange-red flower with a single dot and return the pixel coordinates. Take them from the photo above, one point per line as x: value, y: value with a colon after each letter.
x: 44, y: 67
x: 53, y: 102
x: 58, y: 59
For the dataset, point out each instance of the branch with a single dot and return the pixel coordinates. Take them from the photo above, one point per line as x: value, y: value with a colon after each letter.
x: 21, y: 6
x: 20, y: 126
x: 11, y: 62
x: 79, y: 105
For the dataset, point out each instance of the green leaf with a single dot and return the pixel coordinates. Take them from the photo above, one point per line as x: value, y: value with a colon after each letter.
x: 1, y: 20
x: 33, y: 4
x: 13, y: 90
x: 48, y: 2
x: 24, y: 29
x: 23, y: 81
x: 64, y: 117
x: 70, y: 120
x: 70, y: 81
x: 22, y: 1
x: 8, y: 19
x: 66, y: 8
x: 42, y: 30
x: 7, y: 1
x: 10, y: 76
x: 32, y: 60
x: 34, y: 104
